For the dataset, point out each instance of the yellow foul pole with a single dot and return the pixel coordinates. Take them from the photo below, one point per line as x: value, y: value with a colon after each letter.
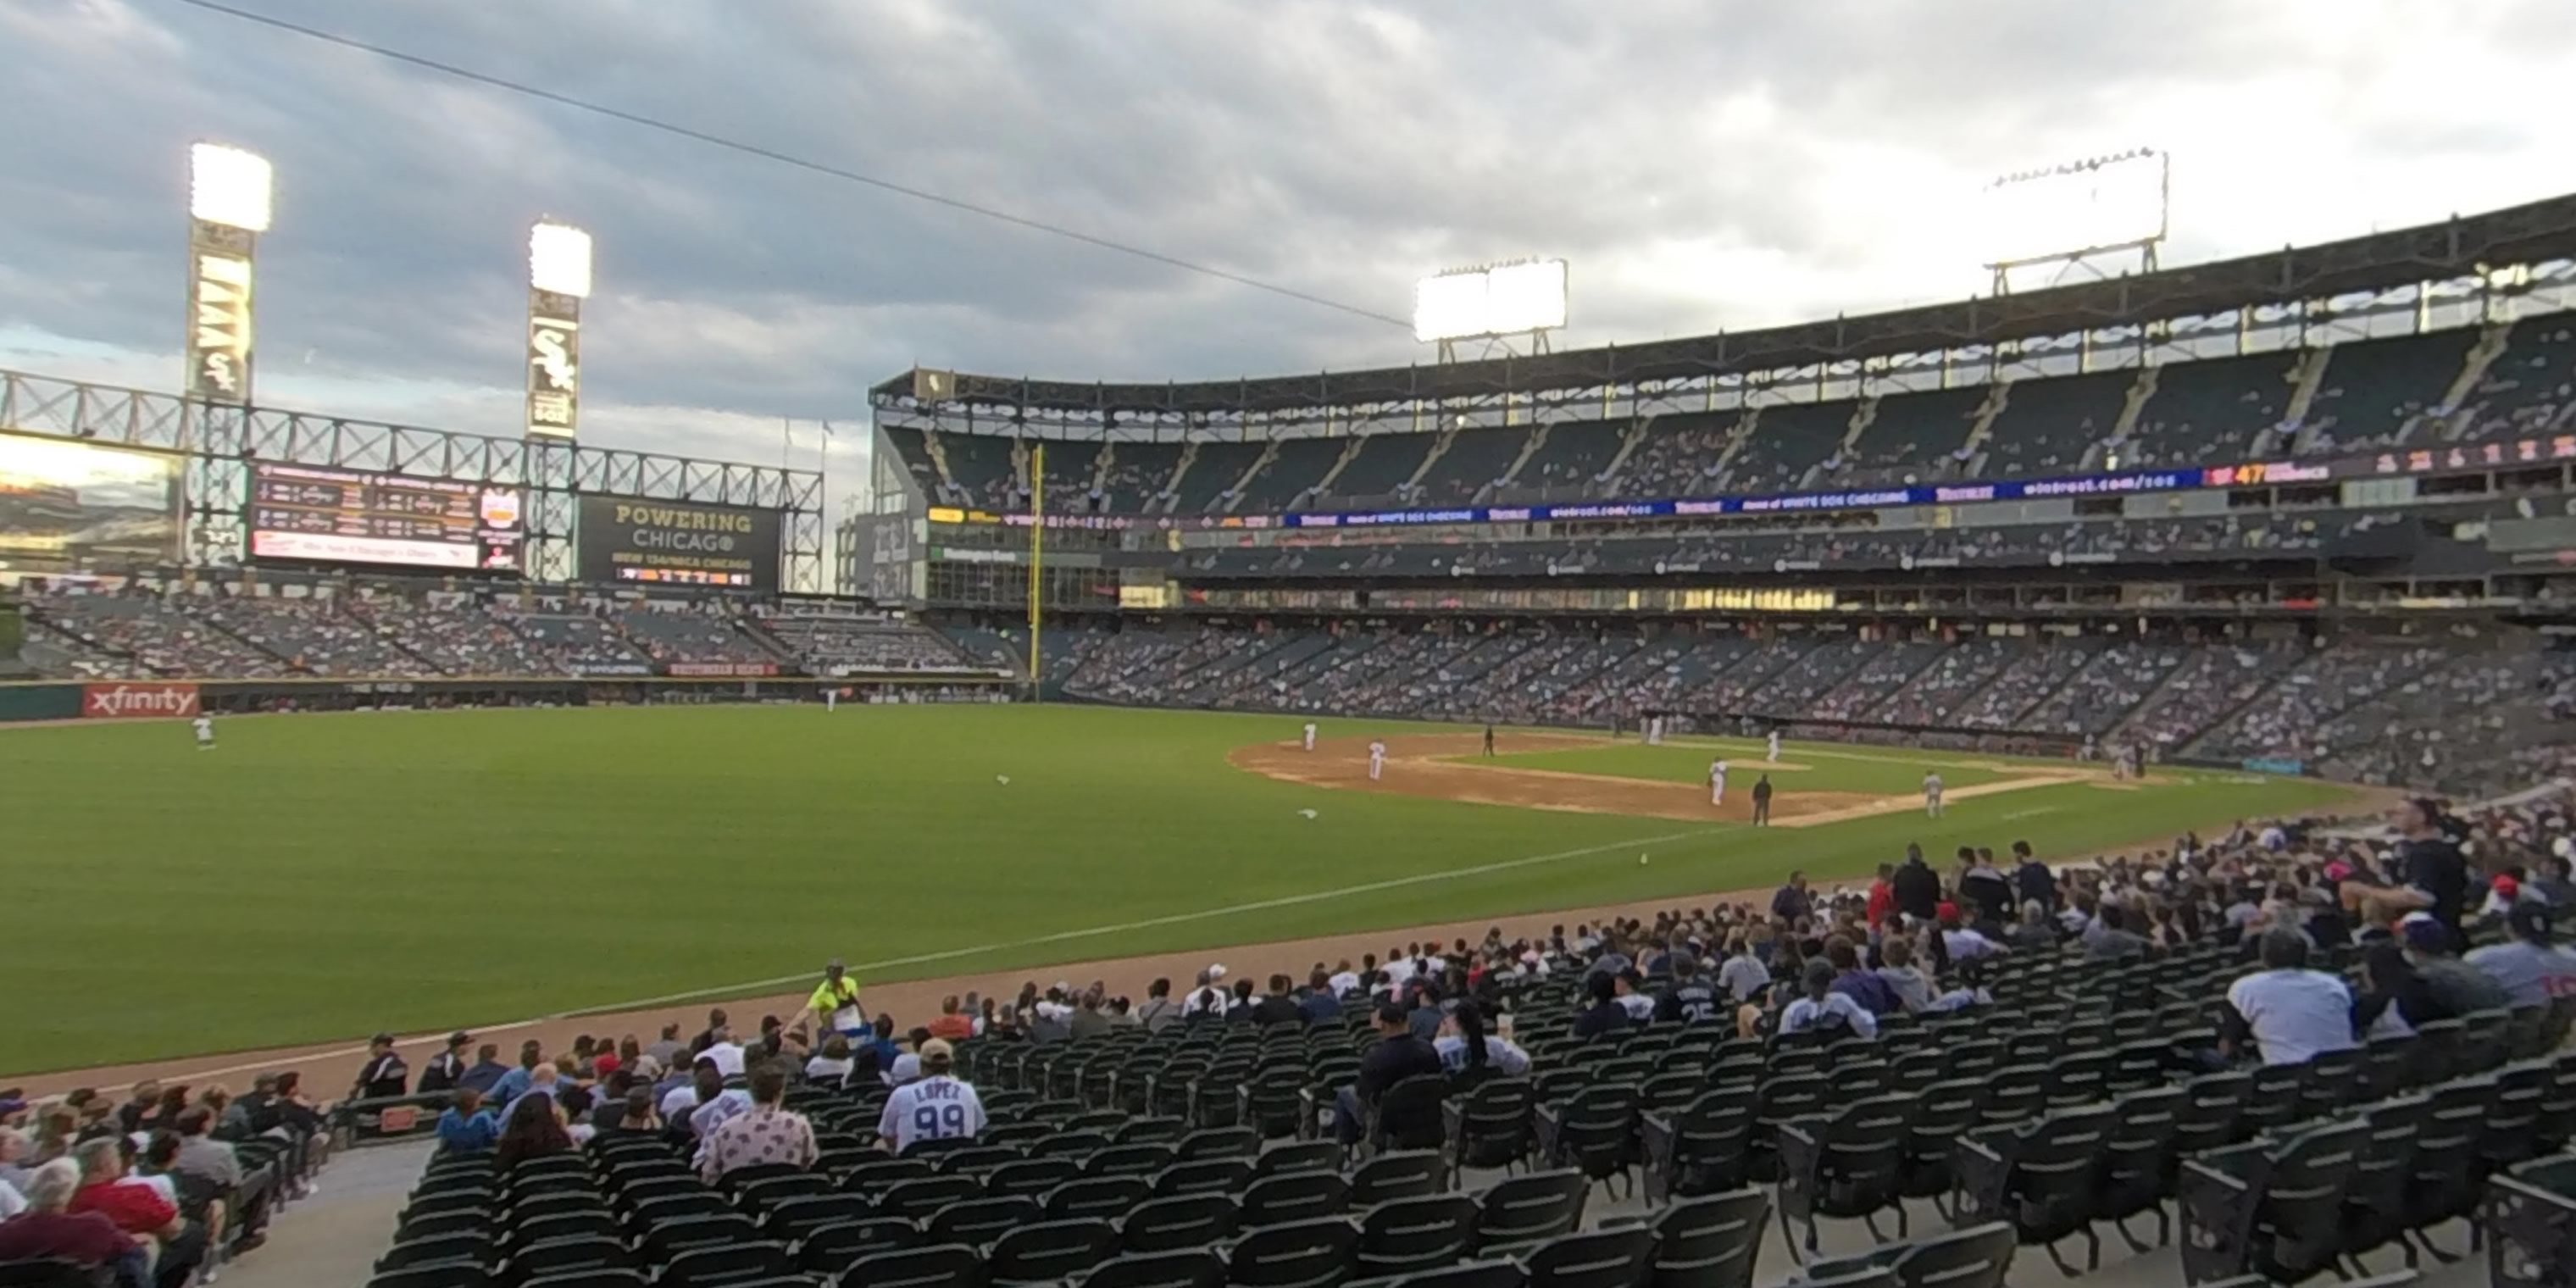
x: 1037, y: 568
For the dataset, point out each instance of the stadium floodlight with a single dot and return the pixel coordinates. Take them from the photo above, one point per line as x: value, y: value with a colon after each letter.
x: 1449, y: 305
x: 1524, y: 297
x: 559, y: 259
x: 229, y: 186
x: 2079, y: 208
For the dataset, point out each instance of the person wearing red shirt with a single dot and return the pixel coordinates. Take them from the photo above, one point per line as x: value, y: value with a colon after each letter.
x: 47, y: 1231
x: 1882, y: 896
x: 952, y: 1024
x: 138, y: 1210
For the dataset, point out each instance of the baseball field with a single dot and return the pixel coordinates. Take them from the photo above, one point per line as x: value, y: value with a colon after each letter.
x: 315, y: 878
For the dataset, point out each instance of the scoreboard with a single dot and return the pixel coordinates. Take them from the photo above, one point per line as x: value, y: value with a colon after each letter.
x: 312, y: 514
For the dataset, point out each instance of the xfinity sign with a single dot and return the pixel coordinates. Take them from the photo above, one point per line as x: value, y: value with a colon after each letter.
x: 138, y: 701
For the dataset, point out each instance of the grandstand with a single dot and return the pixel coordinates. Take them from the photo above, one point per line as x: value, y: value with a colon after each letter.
x: 2240, y: 535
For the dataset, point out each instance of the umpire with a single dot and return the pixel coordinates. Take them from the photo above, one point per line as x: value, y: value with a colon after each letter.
x: 1762, y: 801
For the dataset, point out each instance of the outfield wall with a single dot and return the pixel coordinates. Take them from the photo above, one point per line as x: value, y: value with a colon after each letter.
x: 183, y: 699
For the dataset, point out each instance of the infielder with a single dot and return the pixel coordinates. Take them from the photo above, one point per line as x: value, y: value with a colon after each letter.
x: 1310, y: 735
x: 205, y: 727
x: 1717, y: 781
x: 1654, y: 731
x: 1377, y: 758
x: 1773, y: 755
x: 1932, y: 793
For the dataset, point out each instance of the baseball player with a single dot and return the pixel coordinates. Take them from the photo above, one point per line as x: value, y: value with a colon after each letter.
x: 1717, y: 781
x: 1932, y: 793
x: 1310, y: 735
x: 1773, y: 755
x: 831, y: 699
x: 1654, y: 731
x: 205, y: 727
x: 1377, y: 759
x: 1489, y: 738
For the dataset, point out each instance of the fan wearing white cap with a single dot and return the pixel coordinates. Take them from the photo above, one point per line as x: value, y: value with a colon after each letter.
x: 936, y: 1107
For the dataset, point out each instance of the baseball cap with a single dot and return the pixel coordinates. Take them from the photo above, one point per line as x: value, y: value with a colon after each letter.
x: 835, y: 964
x: 2420, y: 931
x: 459, y: 1038
x: 2508, y: 887
x: 938, y: 1049
x: 2529, y: 918
x: 11, y: 1104
x: 907, y: 1067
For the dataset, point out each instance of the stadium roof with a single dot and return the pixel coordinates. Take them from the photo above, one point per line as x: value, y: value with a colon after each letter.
x: 2533, y: 233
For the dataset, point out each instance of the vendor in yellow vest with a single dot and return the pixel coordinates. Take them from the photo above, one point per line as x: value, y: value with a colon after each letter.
x: 835, y: 1003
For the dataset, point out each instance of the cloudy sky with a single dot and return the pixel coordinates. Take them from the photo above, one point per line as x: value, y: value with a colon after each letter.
x: 1702, y: 164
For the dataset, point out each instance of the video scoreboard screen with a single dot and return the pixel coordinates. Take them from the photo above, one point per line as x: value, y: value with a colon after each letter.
x: 358, y: 516
x: 676, y: 543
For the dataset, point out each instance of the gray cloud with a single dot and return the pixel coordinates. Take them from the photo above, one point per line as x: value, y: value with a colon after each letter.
x: 1703, y: 164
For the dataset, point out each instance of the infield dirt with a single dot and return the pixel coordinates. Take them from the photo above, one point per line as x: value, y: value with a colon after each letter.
x: 1429, y: 765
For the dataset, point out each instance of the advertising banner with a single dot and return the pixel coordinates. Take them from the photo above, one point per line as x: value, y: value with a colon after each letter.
x: 554, y: 364
x: 678, y: 543
x: 138, y: 700
x: 219, y: 313
x: 747, y: 670
x: 2464, y: 458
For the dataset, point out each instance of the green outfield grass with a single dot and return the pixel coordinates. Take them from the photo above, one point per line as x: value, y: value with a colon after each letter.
x: 320, y: 877
x: 1883, y: 771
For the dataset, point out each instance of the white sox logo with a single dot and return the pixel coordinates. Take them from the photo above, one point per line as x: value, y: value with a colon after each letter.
x: 138, y: 701
x: 550, y: 352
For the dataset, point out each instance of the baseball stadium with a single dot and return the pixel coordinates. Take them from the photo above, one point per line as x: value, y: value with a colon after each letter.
x: 2069, y: 783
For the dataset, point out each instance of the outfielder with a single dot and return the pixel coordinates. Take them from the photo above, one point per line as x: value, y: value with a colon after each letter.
x: 205, y: 727
x: 1310, y: 735
x: 1717, y: 781
x: 1773, y: 755
x: 1932, y: 793
x: 831, y: 699
x: 1377, y: 758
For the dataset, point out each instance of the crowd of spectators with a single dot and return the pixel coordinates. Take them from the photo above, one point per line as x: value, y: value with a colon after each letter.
x: 2109, y: 686
x: 827, y: 643
x: 313, y: 635
x: 2395, y: 910
x: 2290, y: 718
x: 680, y: 631
x: 452, y: 632
x: 571, y: 637
x: 164, y: 633
x: 1802, y: 543
x: 159, y: 1189
x: 2374, y: 711
x: 2376, y: 393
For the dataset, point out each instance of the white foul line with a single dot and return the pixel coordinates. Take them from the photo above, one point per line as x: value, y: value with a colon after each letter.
x: 951, y: 954
x: 1173, y: 919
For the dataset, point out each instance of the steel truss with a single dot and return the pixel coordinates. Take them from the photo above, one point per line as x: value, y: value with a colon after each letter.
x: 218, y: 444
